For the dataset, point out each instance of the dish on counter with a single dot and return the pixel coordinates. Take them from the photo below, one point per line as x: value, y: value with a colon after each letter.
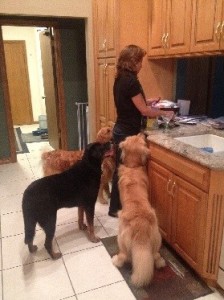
x: 167, y: 105
x: 216, y: 124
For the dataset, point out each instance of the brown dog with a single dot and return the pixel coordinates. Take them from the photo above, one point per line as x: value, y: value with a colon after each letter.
x: 57, y: 161
x: 107, y: 167
x: 139, y: 239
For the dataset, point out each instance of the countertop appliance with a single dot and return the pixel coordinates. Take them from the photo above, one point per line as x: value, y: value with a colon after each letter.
x: 221, y: 266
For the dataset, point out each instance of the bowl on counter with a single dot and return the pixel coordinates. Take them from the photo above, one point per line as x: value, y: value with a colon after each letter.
x: 168, y: 105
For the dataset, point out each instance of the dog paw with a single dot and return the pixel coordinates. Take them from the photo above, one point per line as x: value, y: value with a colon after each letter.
x: 94, y: 239
x: 82, y: 226
x: 117, y: 263
x: 115, y: 260
x: 160, y: 263
x: 56, y: 255
x: 32, y: 248
x: 103, y: 201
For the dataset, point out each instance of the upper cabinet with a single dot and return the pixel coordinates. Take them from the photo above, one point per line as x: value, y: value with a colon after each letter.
x: 208, y: 25
x: 117, y: 23
x: 185, y: 27
x: 106, y: 20
x: 169, y: 27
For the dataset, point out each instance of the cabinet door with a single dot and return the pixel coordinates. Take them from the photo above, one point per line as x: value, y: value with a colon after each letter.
x: 160, y: 185
x: 157, y: 27
x: 110, y: 75
x: 105, y: 25
x: 100, y: 15
x: 111, y: 26
x: 189, y: 222
x: 206, y: 26
x: 106, y: 113
x: 221, y: 35
x: 101, y: 94
x: 178, y: 27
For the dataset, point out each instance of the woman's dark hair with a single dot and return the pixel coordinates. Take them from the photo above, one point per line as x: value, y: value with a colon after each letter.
x: 129, y: 57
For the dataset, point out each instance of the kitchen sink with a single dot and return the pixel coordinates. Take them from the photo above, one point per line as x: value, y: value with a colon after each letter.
x: 207, y: 142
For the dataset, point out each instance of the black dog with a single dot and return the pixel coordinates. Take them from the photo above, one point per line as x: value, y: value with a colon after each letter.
x: 77, y: 186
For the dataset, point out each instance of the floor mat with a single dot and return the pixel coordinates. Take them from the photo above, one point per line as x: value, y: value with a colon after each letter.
x: 176, y: 281
x: 21, y: 146
x: 30, y: 138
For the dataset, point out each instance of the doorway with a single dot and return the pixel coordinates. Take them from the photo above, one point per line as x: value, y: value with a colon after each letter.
x: 29, y: 68
x: 66, y: 80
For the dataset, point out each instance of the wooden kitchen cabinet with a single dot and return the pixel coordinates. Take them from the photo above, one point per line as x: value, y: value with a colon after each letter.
x: 180, y: 209
x: 105, y: 101
x: 169, y: 27
x: 106, y: 26
x: 117, y: 23
x: 188, y: 221
x: 189, y: 202
x: 161, y: 200
x: 207, y: 25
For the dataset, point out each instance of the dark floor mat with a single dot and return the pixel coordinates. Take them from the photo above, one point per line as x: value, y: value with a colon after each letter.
x: 176, y: 281
x: 21, y: 146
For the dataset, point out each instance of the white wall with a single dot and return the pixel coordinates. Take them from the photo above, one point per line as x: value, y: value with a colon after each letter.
x: 31, y: 37
x: 65, y: 8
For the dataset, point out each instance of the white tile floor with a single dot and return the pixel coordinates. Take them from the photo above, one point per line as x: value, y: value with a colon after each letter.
x: 84, y: 272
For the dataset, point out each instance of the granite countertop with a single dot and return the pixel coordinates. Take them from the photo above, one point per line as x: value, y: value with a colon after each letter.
x: 210, y: 160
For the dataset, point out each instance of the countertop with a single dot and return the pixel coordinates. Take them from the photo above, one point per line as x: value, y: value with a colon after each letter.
x: 210, y: 160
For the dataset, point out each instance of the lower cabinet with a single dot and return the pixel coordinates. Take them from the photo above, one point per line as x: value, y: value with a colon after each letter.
x: 106, y: 113
x: 181, y: 211
x: 189, y: 203
x: 161, y: 200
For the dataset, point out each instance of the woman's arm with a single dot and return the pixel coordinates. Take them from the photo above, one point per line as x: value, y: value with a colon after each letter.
x: 149, y: 111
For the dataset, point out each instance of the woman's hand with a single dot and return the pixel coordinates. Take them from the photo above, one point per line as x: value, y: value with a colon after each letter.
x: 152, y: 101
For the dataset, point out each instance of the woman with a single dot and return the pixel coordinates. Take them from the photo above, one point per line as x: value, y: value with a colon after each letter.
x: 132, y: 108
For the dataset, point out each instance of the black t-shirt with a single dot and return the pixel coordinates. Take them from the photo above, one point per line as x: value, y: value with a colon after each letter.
x: 129, y: 118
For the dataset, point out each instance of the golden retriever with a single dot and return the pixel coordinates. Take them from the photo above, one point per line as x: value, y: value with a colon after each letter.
x: 139, y: 239
x: 57, y: 161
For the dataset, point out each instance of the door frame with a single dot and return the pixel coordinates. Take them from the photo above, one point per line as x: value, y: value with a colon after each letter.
x: 56, y: 23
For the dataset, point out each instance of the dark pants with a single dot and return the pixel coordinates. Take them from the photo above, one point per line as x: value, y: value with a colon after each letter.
x: 115, y: 203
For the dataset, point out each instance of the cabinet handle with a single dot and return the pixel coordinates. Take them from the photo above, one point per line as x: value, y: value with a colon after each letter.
x: 222, y: 31
x: 105, y: 69
x: 218, y: 31
x: 166, y: 40
x: 173, y: 189
x: 104, y: 44
x: 163, y: 40
x: 168, y: 187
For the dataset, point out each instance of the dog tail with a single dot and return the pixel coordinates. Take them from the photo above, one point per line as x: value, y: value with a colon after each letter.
x: 143, y: 265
